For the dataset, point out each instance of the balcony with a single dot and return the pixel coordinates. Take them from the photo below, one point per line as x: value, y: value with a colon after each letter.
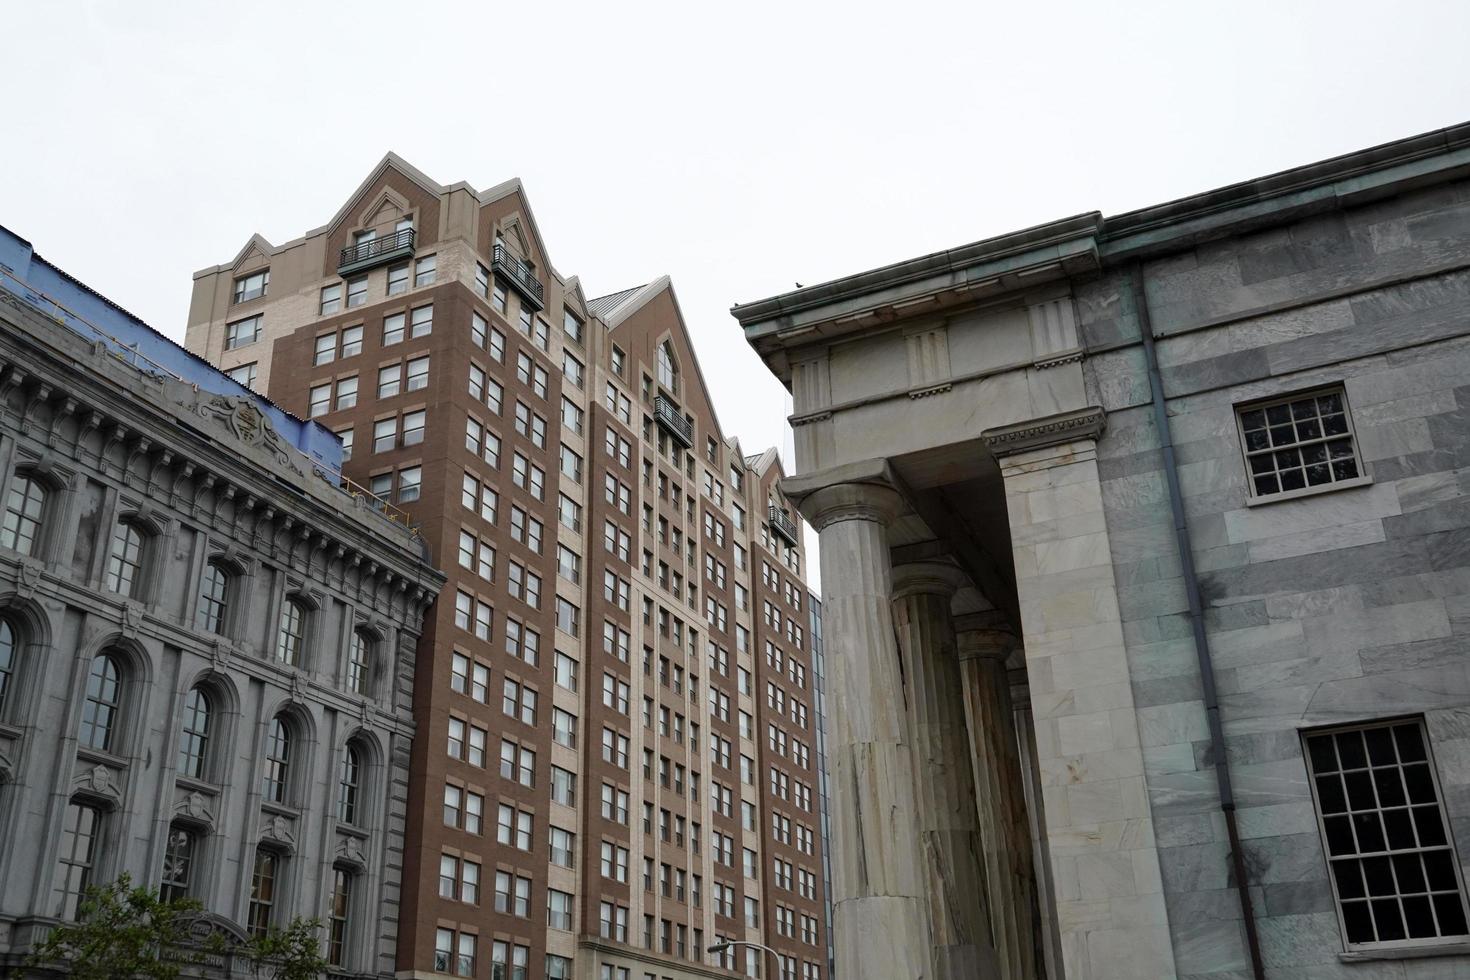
x: 783, y: 526
x: 379, y: 251
x: 519, y: 275
x: 680, y: 429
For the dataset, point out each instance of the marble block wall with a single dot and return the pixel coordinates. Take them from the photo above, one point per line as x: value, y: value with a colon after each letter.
x: 1346, y: 606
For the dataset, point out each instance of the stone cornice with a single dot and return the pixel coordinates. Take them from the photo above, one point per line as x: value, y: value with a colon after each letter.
x: 1085, y: 423
x: 163, y: 450
x: 1013, y: 263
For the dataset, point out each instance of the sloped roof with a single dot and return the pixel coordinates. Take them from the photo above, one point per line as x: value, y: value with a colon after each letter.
x: 603, y: 305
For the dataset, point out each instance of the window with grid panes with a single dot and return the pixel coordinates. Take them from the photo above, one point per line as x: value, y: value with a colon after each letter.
x: 1394, y: 872
x: 1298, y: 443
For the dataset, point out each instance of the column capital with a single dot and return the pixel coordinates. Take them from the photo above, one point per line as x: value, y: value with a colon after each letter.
x: 984, y: 640
x: 927, y: 578
x: 1053, y: 430
x: 863, y: 491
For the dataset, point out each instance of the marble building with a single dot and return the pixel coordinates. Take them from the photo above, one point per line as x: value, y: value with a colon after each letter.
x: 1146, y: 583
x: 206, y: 642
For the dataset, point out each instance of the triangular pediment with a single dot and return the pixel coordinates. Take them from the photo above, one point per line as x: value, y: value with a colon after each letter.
x: 257, y: 251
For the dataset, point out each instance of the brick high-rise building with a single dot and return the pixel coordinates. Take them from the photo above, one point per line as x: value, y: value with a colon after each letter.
x: 615, y: 759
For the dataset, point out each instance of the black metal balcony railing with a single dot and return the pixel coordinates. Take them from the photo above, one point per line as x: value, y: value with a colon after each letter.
x: 673, y: 421
x: 783, y: 525
x: 518, y: 274
x: 365, y: 255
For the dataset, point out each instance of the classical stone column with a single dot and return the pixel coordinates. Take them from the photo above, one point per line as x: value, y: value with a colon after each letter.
x: 1000, y: 795
x: 879, y: 909
x: 944, y: 786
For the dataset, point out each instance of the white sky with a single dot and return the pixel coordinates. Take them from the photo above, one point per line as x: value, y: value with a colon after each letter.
x: 739, y: 147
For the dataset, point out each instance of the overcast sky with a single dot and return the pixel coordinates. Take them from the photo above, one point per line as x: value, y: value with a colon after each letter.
x: 738, y: 147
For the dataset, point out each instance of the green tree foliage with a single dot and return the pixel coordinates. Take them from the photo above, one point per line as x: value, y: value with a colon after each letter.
x: 126, y: 932
x: 122, y: 931
x: 292, y: 953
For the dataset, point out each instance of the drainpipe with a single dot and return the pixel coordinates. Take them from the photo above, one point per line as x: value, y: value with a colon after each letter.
x: 1197, y: 622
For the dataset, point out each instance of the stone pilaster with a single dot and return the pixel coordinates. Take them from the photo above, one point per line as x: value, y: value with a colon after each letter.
x: 1000, y: 797
x: 1111, y: 917
x: 949, y: 835
x: 879, y: 909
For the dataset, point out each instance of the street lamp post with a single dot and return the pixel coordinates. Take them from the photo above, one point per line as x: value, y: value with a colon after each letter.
x: 722, y: 946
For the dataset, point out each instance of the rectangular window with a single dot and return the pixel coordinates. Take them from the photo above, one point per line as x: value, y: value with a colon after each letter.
x: 245, y: 374
x: 1394, y: 872
x: 356, y: 291
x: 331, y: 300
x: 351, y: 342
x: 392, y: 328
x: 252, y: 286
x: 413, y: 428
x: 422, y: 321
x: 423, y: 270
x: 242, y: 333
x: 347, y: 393
x: 398, y: 279
x: 390, y: 380
x: 320, y: 401
x: 326, y: 349
x: 1298, y: 444
x: 418, y: 374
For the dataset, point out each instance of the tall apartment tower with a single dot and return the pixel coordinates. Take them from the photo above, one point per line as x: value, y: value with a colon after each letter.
x: 614, y: 765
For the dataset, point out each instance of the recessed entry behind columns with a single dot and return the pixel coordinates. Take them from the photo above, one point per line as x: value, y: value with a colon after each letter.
x: 959, y: 509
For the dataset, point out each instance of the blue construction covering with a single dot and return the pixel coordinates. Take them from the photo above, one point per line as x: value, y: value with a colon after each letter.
x: 69, y: 301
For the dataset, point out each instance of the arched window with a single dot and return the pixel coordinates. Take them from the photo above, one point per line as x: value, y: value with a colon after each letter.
x: 293, y: 632
x: 358, y: 663
x: 194, y: 738
x: 126, y: 559
x: 24, y: 507
x: 349, y: 785
x: 7, y: 661
x: 178, y: 865
x: 277, y: 761
x: 668, y: 367
x: 99, y: 710
x: 213, y: 605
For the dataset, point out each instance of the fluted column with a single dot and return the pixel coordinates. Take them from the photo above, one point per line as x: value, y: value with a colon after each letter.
x: 879, y: 910
x: 944, y: 786
x: 1000, y: 796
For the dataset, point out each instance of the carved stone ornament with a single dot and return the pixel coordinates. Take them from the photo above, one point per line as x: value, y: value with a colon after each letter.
x: 30, y: 577
x: 220, y: 654
x: 349, y: 849
x: 132, y: 618
x: 99, y: 782
x: 278, y: 829
x: 195, y: 807
x: 298, y: 687
x: 244, y: 420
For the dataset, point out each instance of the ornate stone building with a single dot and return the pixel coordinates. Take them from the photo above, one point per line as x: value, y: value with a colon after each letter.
x: 206, y: 644
x: 1146, y: 583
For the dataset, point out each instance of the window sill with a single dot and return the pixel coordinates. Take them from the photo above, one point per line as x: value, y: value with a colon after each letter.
x: 1405, y: 952
x: 1275, y: 498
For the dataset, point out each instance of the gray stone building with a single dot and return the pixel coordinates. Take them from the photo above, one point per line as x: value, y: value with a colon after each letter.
x: 1146, y: 583
x: 206, y: 642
